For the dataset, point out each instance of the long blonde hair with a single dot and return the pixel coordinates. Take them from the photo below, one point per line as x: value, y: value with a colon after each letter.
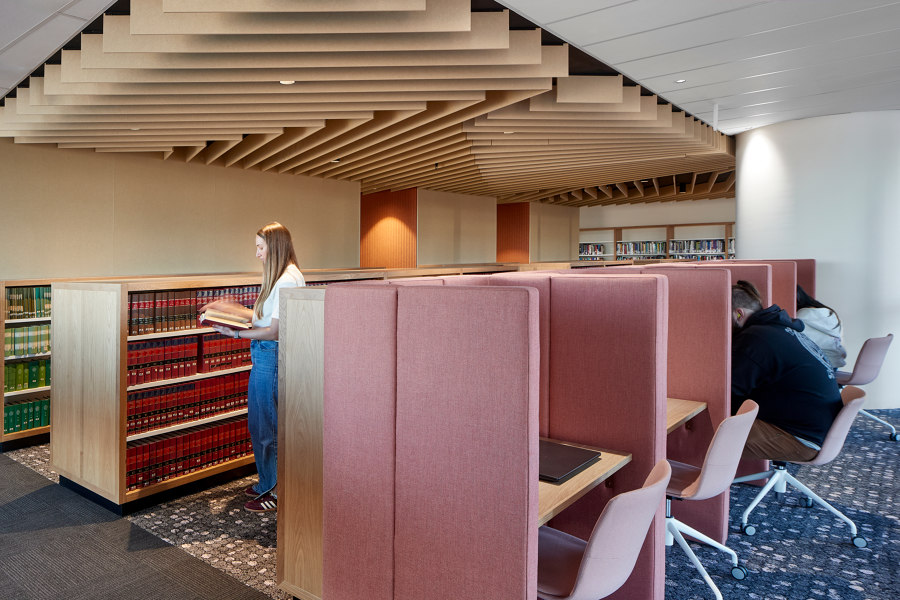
x: 280, y: 255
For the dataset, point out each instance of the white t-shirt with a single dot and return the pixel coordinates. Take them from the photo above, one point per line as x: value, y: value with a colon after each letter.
x: 292, y: 277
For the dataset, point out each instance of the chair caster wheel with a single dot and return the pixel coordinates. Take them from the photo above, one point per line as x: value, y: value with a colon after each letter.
x: 894, y: 437
x: 739, y: 572
x: 859, y: 541
x: 748, y: 529
x: 806, y: 502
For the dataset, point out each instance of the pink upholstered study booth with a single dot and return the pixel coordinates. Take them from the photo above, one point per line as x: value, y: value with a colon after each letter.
x: 430, y: 472
x: 593, y: 391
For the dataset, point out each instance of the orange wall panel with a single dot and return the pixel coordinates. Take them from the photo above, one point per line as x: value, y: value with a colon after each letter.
x: 387, y: 230
x: 513, y: 232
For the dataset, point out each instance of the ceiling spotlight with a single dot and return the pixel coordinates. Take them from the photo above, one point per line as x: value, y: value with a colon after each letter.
x: 336, y: 160
x: 135, y: 128
x: 287, y: 82
x: 508, y: 132
x: 676, y: 81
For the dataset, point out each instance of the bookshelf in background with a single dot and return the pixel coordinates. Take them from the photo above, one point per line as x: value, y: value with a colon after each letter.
x: 695, y: 241
x: 26, y: 371
x: 144, y: 399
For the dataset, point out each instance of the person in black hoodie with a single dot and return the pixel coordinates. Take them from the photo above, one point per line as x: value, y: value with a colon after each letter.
x: 774, y: 364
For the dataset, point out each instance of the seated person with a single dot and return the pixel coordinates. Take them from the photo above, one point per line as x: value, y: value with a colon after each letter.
x: 773, y: 363
x: 823, y: 326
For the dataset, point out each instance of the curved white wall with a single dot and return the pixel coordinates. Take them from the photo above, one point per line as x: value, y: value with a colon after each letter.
x: 829, y: 188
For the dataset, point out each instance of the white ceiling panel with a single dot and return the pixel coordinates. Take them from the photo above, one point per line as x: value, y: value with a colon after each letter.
x: 766, y: 57
x: 42, y: 42
x: 87, y: 9
x: 20, y: 17
x: 551, y: 12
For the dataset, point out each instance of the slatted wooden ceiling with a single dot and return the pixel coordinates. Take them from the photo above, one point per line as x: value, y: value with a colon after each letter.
x: 391, y: 93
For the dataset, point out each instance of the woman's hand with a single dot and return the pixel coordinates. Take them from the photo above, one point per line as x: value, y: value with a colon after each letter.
x: 226, y: 331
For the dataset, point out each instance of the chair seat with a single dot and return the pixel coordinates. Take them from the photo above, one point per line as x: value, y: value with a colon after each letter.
x: 684, y: 476
x: 842, y: 377
x: 559, y: 557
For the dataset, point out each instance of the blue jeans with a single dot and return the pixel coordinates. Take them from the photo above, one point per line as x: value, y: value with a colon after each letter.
x: 262, y: 411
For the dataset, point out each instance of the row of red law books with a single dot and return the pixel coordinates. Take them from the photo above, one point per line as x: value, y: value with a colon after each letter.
x: 177, y: 310
x: 219, y: 352
x: 158, y: 459
x: 170, y: 405
x: 155, y: 360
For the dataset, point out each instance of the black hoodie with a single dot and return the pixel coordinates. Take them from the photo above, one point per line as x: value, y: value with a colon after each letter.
x: 773, y: 363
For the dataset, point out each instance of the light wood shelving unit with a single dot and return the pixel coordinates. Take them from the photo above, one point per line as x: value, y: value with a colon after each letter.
x: 26, y: 394
x: 89, y: 400
x: 659, y: 241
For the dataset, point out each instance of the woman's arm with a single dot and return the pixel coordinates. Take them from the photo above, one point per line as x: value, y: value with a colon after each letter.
x: 256, y: 333
x: 230, y: 307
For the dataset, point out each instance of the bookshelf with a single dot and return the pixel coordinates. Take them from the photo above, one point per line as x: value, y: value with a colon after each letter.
x: 144, y: 401
x: 26, y: 371
x: 688, y: 241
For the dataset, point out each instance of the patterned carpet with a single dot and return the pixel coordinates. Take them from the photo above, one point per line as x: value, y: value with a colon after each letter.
x: 797, y: 554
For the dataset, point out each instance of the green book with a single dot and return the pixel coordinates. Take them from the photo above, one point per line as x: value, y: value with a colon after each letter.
x: 48, y: 371
x: 33, y: 367
x: 9, y: 378
x: 6, y: 419
x: 21, y: 377
x: 19, y: 341
x: 29, y: 416
x: 17, y: 421
x: 45, y: 412
x: 8, y: 342
x: 42, y: 373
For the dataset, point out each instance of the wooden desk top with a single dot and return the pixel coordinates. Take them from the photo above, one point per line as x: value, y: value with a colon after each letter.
x: 679, y: 412
x: 553, y: 498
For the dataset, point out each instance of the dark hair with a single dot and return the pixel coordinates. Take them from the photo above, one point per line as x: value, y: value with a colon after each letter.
x: 745, y: 295
x: 804, y: 300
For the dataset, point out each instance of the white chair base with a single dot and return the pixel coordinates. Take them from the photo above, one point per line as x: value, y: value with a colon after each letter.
x: 675, y: 532
x: 779, y: 479
x: 893, y: 435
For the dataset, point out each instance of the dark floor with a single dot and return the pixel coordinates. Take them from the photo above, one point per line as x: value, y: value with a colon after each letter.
x: 797, y: 554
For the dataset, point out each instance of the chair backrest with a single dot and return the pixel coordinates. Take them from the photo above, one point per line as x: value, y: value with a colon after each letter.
x: 616, y: 540
x: 724, y: 454
x: 853, y: 399
x: 868, y: 361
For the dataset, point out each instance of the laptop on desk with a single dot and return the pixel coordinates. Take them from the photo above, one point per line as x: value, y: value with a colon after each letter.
x: 558, y: 462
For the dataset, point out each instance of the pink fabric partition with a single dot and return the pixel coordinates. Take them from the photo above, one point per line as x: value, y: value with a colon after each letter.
x: 699, y: 368
x: 358, y: 494
x: 758, y: 274
x: 608, y: 338
x: 431, y: 429
x: 541, y: 282
x: 466, y: 443
x: 806, y: 275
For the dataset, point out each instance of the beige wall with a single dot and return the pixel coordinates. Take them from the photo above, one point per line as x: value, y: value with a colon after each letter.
x: 456, y: 228
x: 71, y: 213
x: 659, y: 213
x: 554, y: 232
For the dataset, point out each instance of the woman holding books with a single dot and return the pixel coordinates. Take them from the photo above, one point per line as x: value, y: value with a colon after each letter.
x: 276, y: 251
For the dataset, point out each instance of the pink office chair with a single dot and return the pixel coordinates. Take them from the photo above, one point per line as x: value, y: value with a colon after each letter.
x: 714, y: 477
x: 779, y: 477
x: 571, y: 569
x: 868, y: 364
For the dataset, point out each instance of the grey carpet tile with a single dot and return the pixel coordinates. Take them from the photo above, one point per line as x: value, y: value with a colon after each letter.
x: 56, y: 544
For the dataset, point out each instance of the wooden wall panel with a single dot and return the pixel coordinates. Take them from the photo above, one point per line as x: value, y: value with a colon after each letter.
x: 388, y: 230
x: 513, y: 232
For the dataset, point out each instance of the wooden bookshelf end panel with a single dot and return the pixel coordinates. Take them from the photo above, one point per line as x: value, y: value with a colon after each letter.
x: 301, y: 347
x: 86, y: 445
